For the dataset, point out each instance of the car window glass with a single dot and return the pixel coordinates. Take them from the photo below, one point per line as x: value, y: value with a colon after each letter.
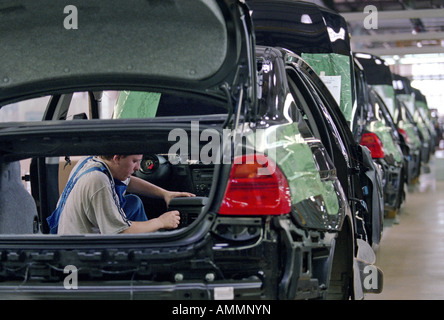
x: 383, y: 127
x: 136, y: 105
x: 397, y: 115
x: 332, y: 128
x: 312, y: 111
x: 133, y: 104
x: 386, y: 114
x: 303, y: 117
x: 79, y: 107
x: 297, y: 117
x: 27, y: 110
x: 111, y: 105
x: 332, y: 137
x: 382, y: 118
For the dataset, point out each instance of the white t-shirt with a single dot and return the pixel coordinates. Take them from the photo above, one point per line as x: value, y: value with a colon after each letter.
x: 91, y: 206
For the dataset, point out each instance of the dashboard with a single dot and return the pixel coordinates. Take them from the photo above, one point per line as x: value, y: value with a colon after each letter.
x: 190, y: 176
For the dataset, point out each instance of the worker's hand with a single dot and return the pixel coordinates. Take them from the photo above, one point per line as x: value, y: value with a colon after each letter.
x: 170, y: 219
x: 174, y: 194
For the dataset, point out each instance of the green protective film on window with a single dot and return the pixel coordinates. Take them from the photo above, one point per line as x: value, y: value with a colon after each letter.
x: 387, y: 94
x: 409, y: 129
x: 136, y: 105
x: 295, y: 159
x: 422, y: 127
x: 409, y: 101
x: 423, y: 105
x: 425, y: 112
x: 385, y: 134
x: 334, y: 69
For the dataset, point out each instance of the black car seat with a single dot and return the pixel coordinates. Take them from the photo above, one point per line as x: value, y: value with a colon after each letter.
x: 18, y: 212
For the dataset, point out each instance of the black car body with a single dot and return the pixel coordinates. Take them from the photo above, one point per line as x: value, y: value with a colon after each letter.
x: 380, y: 80
x: 272, y: 219
x: 320, y: 37
x: 416, y: 102
x: 424, y: 110
x: 376, y: 129
x: 413, y: 137
x: 392, y: 160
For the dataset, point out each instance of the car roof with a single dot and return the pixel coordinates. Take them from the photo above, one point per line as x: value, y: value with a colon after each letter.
x: 375, y: 68
x: 299, y: 26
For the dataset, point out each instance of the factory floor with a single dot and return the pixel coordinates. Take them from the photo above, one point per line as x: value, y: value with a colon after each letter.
x: 411, y: 252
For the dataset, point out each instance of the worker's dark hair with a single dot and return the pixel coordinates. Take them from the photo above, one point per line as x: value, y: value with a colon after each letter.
x: 110, y: 156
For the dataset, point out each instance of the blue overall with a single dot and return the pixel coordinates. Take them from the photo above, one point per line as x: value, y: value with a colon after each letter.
x: 131, y: 204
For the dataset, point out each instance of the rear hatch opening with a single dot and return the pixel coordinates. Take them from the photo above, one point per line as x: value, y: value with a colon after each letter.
x: 180, y: 139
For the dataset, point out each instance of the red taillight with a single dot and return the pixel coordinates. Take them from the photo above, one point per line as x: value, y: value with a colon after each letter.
x: 404, y: 134
x: 256, y: 187
x: 372, y: 141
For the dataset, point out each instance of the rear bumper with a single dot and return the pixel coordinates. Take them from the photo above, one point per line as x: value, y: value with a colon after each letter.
x: 392, y: 179
x: 245, y: 289
x: 280, y: 261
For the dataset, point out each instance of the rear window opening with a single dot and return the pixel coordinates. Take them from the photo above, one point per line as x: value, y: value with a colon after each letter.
x: 32, y: 187
x: 125, y: 104
x: 35, y: 168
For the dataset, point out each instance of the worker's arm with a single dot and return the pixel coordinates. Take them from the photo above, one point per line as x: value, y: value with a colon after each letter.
x: 142, y: 187
x: 168, y: 220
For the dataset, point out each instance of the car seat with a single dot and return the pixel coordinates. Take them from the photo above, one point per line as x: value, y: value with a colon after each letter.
x: 18, y: 212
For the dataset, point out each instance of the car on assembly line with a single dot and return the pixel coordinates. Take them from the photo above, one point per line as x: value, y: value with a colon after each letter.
x: 251, y: 130
x: 320, y: 37
x: 380, y: 78
x: 412, y: 135
x: 376, y: 129
x: 417, y: 105
x: 423, y: 108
